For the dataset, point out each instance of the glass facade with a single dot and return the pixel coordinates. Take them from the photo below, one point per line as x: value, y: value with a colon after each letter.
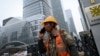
x: 13, y: 36
x: 58, y: 12
x: 21, y: 31
x: 70, y: 21
x: 34, y: 7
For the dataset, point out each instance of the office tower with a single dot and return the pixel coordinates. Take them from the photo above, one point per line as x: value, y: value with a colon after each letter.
x: 58, y: 13
x: 70, y: 21
x: 34, y: 7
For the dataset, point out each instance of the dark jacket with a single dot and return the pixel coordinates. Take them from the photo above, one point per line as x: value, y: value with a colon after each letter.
x: 41, y: 46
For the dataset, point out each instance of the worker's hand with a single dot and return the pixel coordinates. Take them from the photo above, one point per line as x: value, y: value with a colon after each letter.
x: 41, y: 35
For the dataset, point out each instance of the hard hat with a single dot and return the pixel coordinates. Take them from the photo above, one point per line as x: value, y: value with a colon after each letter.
x: 50, y: 19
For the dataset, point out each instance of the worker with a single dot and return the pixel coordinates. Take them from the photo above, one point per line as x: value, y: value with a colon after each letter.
x: 59, y: 42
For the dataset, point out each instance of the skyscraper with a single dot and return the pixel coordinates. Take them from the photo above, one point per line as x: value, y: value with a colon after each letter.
x: 67, y: 26
x: 84, y: 20
x: 44, y: 7
x: 70, y: 21
x: 34, y: 7
x: 58, y: 12
x: 84, y: 25
x: 34, y: 11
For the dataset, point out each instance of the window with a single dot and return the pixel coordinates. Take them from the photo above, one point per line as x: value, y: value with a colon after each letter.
x: 14, y: 35
x: 24, y: 33
x: 4, y: 39
x: 32, y: 23
x: 35, y: 34
x: 35, y: 21
x: 39, y: 27
x: 40, y: 21
x: 34, y: 27
x: 35, y: 39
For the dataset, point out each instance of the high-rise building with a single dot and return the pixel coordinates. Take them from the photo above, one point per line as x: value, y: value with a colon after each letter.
x: 84, y: 20
x: 58, y: 12
x: 33, y: 7
x: 70, y: 21
x: 44, y: 7
x: 67, y: 27
x: 35, y: 21
x: 84, y: 25
x: 34, y: 11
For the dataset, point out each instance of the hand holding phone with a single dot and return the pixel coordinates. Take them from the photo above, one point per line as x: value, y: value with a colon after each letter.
x: 41, y: 33
x: 42, y: 30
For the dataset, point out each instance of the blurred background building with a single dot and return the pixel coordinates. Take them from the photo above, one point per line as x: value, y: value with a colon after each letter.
x: 34, y: 7
x: 70, y: 22
x: 17, y: 34
x: 58, y: 12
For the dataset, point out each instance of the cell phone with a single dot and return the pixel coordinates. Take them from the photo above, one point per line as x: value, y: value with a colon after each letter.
x: 42, y: 30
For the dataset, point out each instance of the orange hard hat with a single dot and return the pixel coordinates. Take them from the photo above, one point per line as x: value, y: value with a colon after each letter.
x: 50, y: 19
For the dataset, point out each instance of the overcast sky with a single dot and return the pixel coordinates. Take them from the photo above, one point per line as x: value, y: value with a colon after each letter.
x: 74, y: 6
x: 14, y: 8
x: 10, y: 8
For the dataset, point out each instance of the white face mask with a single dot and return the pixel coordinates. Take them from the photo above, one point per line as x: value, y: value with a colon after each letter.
x: 58, y: 27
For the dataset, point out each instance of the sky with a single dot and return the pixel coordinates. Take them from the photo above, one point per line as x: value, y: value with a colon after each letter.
x: 73, y: 6
x: 14, y: 8
x: 10, y: 8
